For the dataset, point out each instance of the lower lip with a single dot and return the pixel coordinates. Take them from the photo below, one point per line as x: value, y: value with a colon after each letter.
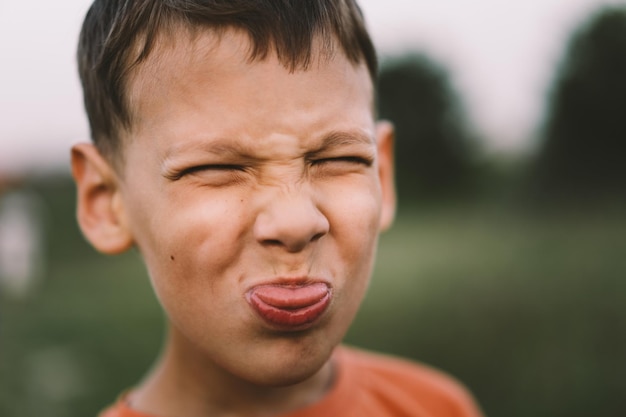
x: 290, y: 306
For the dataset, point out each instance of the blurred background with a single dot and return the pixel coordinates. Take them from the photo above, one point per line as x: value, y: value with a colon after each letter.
x: 506, y: 266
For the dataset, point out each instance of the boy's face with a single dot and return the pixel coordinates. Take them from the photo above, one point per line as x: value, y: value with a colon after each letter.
x: 256, y: 196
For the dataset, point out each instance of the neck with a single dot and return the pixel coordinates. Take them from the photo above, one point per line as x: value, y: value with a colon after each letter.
x: 185, y: 382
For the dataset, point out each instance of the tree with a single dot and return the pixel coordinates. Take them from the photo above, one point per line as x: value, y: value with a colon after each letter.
x: 432, y: 145
x: 582, y: 153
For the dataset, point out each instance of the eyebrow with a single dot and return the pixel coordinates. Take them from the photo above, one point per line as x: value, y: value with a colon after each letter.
x: 334, y: 139
x: 339, y: 138
x: 217, y: 147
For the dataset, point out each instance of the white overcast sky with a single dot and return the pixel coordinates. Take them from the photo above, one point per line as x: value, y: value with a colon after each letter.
x: 500, y: 54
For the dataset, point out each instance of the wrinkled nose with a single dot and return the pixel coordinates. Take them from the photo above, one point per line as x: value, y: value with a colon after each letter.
x: 290, y: 221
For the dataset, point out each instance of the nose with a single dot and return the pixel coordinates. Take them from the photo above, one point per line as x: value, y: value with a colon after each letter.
x: 290, y: 221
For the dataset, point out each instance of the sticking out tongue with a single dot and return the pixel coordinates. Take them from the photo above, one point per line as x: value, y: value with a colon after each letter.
x: 290, y: 306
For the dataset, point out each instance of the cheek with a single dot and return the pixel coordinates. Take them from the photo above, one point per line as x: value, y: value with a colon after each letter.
x: 355, y: 228
x: 355, y: 216
x: 188, y: 242
x: 355, y: 236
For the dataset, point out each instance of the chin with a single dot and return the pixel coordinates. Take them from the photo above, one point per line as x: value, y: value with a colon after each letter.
x: 290, y: 368
x: 285, y: 379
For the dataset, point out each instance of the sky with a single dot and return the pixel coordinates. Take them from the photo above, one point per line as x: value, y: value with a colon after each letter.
x: 500, y: 56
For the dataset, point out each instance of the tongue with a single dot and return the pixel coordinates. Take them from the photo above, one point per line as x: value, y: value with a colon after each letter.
x: 290, y: 298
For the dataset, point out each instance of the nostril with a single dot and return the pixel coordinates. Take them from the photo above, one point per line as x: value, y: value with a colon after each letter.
x: 318, y: 236
x: 272, y: 242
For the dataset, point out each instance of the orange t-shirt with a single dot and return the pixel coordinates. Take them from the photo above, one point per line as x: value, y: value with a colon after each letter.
x: 375, y: 385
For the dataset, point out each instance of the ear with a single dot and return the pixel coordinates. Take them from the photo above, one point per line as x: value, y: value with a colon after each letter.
x: 385, y: 136
x: 100, y: 208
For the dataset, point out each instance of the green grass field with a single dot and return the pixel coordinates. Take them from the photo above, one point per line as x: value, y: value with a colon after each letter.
x: 528, y: 308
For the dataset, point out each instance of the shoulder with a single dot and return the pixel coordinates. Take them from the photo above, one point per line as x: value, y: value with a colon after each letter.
x: 121, y: 409
x: 401, y: 383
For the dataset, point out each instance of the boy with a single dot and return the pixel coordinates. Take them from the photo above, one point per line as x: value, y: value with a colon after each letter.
x: 235, y: 146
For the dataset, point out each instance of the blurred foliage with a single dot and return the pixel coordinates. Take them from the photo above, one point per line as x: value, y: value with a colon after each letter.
x: 434, y: 153
x: 582, y: 153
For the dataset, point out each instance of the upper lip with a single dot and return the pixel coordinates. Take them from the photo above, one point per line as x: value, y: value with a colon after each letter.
x: 298, y: 281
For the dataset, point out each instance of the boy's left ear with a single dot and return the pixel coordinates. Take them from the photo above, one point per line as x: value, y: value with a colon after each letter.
x: 385, y: 136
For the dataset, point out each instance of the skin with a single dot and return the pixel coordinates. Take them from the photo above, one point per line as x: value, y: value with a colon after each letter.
x: 236, y: 174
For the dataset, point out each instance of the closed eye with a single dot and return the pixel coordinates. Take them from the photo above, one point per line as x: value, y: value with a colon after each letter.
x: 214, y: 167
x: 206, y: 168
x: 344, y: 159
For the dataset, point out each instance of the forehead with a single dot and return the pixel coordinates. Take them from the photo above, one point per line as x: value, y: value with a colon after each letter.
x: 186, y: 59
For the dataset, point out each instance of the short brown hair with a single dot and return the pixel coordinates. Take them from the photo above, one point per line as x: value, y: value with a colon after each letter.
x: 117, y: 35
